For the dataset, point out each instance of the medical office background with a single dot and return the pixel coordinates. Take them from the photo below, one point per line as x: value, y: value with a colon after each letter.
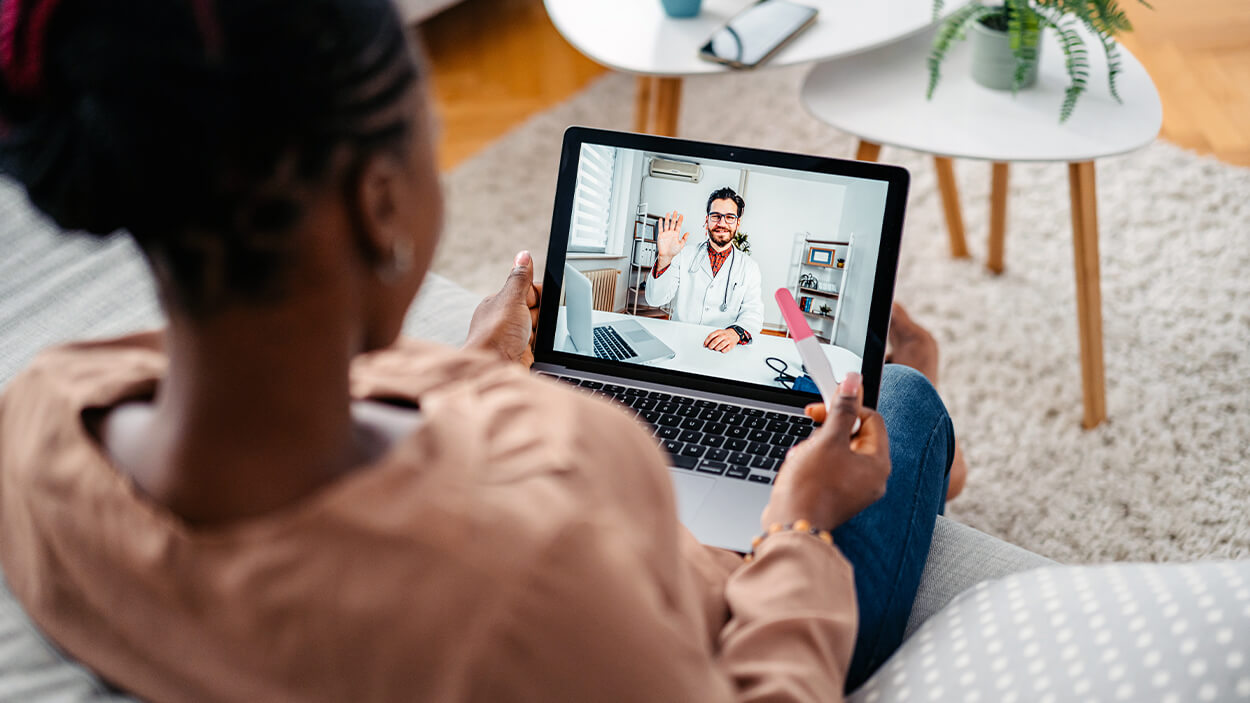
x: 616, y: 192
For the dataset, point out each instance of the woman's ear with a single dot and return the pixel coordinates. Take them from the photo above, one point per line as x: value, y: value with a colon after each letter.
x: 376, y: 200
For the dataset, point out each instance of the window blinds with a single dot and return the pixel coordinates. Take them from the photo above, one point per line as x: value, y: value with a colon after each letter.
x: 592, y: 199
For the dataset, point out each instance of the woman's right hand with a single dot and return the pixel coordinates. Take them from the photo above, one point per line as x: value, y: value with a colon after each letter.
x: 831, y: 476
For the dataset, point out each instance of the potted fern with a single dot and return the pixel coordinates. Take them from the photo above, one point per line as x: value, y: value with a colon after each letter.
x: 1007, y: 39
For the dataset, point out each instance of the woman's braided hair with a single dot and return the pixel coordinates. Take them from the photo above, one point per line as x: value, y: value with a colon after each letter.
x: 196, y: 124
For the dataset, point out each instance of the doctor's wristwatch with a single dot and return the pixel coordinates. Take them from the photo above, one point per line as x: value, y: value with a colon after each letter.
x: 743, y: 337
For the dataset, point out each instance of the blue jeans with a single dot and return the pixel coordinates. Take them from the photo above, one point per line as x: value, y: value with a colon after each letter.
x: 888, y: 542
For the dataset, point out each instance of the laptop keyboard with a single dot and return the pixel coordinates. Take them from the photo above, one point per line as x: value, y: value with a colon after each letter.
x: 610, y: 345
x: 706, y: 436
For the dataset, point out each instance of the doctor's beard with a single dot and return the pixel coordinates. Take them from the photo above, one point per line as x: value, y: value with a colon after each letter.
x: 720, y: 236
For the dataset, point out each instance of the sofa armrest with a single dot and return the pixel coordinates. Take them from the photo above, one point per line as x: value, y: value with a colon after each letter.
x: 959, y: 558
x: 441, y: 312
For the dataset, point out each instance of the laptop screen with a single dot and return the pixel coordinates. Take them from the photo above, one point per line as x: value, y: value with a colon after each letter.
x: 671, y: 260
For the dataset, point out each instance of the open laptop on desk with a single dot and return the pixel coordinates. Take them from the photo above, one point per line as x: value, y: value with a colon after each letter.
x: 616, y: 341
x: 756, y: 220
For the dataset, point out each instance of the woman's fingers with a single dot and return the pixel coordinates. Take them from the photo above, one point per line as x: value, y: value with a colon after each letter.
x: 846, y: 407
x: 871, y: 438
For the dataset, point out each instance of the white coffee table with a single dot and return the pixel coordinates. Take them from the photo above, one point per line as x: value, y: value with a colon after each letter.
x: 879, y: 96
x: 635, y: 36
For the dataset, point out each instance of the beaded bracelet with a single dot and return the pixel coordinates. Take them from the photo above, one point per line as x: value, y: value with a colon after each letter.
x: 796, y: 526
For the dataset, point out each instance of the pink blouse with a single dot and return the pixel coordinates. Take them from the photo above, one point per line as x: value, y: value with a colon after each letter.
x: 521, y: 544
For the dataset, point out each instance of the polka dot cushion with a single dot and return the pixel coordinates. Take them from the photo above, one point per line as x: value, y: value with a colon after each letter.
x: 1122, y: 632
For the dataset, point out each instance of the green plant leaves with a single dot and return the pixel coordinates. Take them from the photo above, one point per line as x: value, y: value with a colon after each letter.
x: 952, y: 30
x: 1076, y: 60
x: 1024, y: 29
x: 1025, y: 21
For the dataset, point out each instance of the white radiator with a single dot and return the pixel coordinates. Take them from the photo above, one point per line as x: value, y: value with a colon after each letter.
x: 603, y: 282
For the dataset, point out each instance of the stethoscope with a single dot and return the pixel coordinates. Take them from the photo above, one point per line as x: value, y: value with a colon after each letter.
x: 733, y: 254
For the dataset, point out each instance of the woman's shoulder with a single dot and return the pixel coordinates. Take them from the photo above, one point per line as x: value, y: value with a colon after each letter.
x: 48, y: 397
x: 91, y: 362
x: 494, y: 424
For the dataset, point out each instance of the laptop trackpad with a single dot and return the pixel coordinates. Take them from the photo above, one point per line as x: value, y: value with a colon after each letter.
x: 638, y: 335
x: 730, y: 515
x: 691, y: 491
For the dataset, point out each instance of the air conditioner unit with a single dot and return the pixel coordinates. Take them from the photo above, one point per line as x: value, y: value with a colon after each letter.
x: 675, y: 170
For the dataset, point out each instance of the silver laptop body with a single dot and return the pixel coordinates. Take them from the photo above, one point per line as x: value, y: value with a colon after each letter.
x: 578, y: 295
x: 719, y: 510
x: 720, y: 500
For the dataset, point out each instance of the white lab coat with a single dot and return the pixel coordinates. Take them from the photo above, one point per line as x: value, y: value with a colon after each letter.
x: 697, y: 295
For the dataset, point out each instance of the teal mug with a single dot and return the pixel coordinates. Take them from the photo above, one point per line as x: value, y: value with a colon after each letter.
x: 681, y: 8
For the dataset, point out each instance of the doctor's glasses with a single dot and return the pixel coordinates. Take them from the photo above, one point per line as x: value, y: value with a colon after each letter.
x: 716, y: 218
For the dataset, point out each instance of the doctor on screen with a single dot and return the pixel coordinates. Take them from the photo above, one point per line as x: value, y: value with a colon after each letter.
x: 709, y: 283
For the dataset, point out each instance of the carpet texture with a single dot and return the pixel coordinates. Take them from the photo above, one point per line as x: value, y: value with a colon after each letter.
x: 1166, y: 478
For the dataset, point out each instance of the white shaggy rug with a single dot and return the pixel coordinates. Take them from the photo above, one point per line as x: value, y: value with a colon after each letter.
x: 1167, y: 478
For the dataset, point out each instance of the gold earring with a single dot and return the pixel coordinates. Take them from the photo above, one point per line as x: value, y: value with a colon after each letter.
x: 399, y: 263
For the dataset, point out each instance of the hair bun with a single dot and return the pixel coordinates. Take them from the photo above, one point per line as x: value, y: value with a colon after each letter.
x: 92, y: 140
x: 63, y: 155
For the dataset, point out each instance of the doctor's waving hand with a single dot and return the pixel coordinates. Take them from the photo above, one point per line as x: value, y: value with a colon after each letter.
x: 709, y: 282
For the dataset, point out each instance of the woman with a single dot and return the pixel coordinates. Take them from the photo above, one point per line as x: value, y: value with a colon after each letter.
x: 272, y: 499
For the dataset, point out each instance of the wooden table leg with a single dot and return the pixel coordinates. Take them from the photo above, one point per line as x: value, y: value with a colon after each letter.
x: 867, y: 151
x: 642, y: 104
x: 998, y: 217
x: 665, y: 106
x: 1088, y: 290
x: 950, y: 206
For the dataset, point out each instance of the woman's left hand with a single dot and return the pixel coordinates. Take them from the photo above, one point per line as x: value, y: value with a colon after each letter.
x: 505, y: 322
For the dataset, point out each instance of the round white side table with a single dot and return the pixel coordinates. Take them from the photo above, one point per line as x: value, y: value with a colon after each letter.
x: 879, y: 96
x: 637, y: 37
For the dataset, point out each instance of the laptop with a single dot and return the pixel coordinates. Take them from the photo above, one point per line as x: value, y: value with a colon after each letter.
x: 828, y: 230
x: 623, y: 340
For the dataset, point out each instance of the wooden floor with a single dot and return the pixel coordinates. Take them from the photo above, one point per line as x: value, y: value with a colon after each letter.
x: 497, y: 62
x: 1198, y: 53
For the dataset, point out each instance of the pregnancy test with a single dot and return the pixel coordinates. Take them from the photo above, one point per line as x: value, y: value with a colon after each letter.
x: 809, y: 350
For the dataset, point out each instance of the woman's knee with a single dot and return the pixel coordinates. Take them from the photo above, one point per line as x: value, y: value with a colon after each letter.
x: 913, y: 411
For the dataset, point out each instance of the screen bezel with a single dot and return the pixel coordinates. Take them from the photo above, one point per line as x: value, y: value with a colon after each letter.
x: 896, y: 178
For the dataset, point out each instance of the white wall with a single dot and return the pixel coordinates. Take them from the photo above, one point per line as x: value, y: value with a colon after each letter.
x: 779, y: 211
x: 663, y: 196
x: 862, y: 218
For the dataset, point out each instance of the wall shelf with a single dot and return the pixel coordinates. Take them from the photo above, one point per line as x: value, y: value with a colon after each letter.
x: 635, y: 304
x: 832, y: 249
x: 635, y: 300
